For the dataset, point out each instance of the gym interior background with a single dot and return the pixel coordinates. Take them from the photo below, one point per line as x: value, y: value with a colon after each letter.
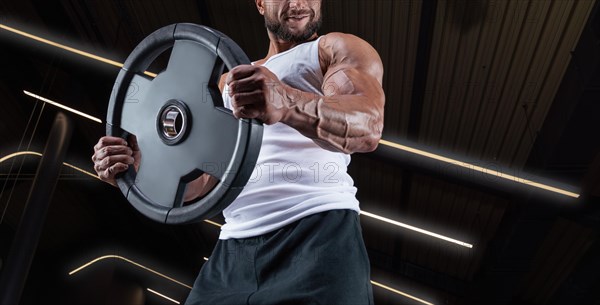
x: 512, y: 86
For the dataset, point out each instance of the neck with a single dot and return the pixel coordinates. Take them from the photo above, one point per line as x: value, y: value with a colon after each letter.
x: 277, y: 45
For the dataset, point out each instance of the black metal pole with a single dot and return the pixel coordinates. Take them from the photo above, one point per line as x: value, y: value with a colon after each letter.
x: 14, y: 275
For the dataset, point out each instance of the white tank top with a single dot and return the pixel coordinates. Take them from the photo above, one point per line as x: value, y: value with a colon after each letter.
x: 294, y: 177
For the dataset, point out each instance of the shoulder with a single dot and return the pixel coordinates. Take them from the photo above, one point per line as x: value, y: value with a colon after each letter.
x: 336, y: 42
x: 337, y: 39
x: 348, y: 51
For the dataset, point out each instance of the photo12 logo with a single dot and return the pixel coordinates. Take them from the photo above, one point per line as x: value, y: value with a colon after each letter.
x: 290, y: 172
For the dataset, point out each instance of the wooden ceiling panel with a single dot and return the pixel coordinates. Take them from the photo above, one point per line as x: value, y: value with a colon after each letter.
x: 492, y: 82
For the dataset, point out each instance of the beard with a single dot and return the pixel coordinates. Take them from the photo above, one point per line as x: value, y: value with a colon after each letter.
x: 282, y: 32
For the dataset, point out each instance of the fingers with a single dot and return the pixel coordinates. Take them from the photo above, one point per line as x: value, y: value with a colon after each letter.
x: 111, y: 157
x: 112, y: 150
x: 249, y: 84
x: 246, y: 112
x: 109, y: 173
x: 244, y: 105
x: 137, y: 155
x: 108, y: 141
x: 110, y: 161
x: 256, y: 94
x: 247, y: 98
x: 259, y: 78
x: 242, y: 85
x: 239, y: 72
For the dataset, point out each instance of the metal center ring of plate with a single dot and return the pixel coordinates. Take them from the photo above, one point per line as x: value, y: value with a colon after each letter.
x: 171, y: 127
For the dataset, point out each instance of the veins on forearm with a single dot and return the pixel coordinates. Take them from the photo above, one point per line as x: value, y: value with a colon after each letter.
x: 343, y: 123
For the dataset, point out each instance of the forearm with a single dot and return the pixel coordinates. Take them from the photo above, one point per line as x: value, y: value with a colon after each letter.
x: 344, y: 123
x: 199, y: 187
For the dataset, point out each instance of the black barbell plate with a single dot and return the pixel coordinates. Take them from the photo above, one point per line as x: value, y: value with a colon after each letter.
x: 194, y: 59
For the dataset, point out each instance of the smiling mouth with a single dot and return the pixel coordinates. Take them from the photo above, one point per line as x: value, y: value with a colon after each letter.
x: 296, y: 18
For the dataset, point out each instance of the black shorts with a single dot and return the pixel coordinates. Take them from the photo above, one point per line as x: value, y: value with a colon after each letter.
x: 320, y: 259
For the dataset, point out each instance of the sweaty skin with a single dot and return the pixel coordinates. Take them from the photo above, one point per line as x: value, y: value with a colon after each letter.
x: 348, y: 118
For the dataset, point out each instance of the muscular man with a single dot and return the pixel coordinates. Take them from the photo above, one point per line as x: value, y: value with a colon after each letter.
x: 293, y: 235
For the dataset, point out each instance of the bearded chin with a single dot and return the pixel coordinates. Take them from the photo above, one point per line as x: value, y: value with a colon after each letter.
x: 285, y: 34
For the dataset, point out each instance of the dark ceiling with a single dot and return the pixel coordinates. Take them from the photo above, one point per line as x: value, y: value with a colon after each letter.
x: 511, y: 84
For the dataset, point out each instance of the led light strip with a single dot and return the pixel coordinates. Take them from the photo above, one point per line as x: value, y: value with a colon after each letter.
x: 214, y: 223
x: 163, y: 296
x: 399, y: 224
x: 401, y: 293
x: 20, y: 153
x: 131, y: 262
x: 384, y: 142
x: 33, y: 153
x: 409, y: 227
x: 480, y: 169
x: 59, y: 105
x: 67, y: 48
